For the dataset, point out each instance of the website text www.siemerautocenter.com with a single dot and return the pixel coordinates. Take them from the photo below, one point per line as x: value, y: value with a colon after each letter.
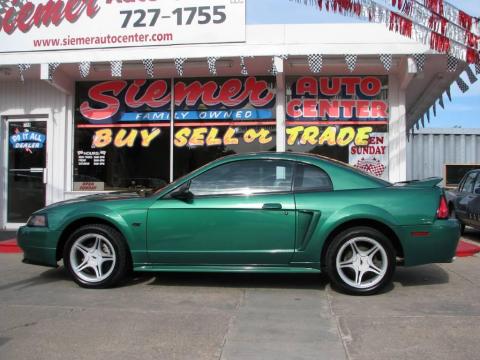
x: 105, y: 39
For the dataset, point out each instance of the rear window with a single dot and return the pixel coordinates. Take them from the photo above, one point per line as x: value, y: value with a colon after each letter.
x: 311, y: 178
x: 351, y: 168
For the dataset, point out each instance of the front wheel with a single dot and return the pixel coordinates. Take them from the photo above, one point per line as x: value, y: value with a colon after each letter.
x: 96, y: 256
x: 360, y: 261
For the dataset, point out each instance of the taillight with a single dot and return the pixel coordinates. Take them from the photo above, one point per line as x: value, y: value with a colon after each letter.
x: 442, y: 211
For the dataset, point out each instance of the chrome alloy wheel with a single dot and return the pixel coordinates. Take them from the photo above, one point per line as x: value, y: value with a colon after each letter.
x: 362, y: 262
x: 92, y: 257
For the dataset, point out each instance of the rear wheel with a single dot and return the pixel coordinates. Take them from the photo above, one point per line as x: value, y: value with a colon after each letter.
x: 360, y: 261
x: 96, y: 256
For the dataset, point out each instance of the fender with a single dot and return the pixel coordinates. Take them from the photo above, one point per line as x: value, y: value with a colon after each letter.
x: 329, y: 222
x: 361, y: 211
x: 134, y: 235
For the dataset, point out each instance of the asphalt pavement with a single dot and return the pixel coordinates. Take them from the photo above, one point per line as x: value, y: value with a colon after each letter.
x: 430, y: 312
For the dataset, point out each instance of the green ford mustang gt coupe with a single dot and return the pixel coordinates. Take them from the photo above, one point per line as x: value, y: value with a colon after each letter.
x: 263, y: 212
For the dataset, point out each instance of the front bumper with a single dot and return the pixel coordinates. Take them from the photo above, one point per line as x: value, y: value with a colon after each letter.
x: 439, y: 246
x: 39, y: 245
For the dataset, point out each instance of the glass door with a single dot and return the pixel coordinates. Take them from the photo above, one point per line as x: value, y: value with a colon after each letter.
x: 26, y: 168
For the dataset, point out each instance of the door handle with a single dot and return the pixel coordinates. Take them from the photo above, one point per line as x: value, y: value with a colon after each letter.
x: 272, y: 206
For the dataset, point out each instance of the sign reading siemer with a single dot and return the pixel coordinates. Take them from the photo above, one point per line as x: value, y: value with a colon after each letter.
x: 40, y: 25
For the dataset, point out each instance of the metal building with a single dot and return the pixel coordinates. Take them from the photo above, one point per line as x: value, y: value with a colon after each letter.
x: 429, y: 150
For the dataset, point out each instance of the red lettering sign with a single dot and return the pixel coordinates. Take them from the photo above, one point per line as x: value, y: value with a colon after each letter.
x: 233, y: 92
x: 332, y: 86
x: 230, y: 94
x: 98, y: 93
x: 294, y: 108
x: 51, y: 12
x: 337, y: 98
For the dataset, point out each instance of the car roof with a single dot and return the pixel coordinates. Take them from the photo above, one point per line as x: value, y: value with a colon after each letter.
x: 287, y: 155
x: 315, y: 159
x: 357, y: 178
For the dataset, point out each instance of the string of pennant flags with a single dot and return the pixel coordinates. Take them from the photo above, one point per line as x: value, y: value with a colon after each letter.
x: 315, y: 63
x: 435, y: 23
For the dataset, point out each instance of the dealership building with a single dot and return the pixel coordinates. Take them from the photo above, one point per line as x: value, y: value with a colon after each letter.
x: 108, y: 96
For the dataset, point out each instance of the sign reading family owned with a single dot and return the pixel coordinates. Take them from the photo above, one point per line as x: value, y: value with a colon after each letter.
x: 40, y: 25
x: 223, y: 111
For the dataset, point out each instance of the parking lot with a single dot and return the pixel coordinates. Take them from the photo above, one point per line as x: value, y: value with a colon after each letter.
x: 430, y: 312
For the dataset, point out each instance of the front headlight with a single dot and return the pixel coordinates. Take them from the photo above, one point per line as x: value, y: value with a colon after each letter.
x: 39, y: 220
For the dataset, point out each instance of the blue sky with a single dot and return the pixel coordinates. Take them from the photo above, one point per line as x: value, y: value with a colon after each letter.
x: 464, y: 110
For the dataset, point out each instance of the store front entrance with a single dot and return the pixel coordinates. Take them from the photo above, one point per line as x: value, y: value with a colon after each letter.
x: 26, y: 162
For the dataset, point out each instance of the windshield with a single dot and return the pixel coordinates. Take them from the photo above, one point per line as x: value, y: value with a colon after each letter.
x: 174, y: 183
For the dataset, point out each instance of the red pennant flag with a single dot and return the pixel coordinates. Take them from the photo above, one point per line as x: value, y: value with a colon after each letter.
x: 397, y: 2
x: 472, y: 56
x: 439, y: 43
x: 465, y: 20
x: 400, y: 24
x: 435, y: 6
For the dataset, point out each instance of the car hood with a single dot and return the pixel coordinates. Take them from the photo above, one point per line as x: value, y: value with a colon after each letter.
x: 119, y: 195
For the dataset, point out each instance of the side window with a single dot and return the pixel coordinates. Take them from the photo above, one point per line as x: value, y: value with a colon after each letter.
x: 245, y: 177
x: 469, y: 181
x: 476, y: 187
x: 462, y: 182
x: 311, y: 178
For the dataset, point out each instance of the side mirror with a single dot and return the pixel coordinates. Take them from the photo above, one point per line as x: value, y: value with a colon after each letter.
x: 182, y: 193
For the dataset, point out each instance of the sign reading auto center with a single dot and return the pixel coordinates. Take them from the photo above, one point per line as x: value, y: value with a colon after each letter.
x: 40, y: 25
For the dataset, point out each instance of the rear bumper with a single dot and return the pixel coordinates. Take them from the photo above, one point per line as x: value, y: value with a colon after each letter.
x: 435, y: 243
x: 39, y: 245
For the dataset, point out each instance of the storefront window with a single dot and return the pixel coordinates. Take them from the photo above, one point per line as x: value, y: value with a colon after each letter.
x: 224, y: 116
x: 122, y: 128
x: 344, y: 118
x: 122, y: 135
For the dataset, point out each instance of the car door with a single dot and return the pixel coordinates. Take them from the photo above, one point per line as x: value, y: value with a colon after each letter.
x: 454, y: 195
x: 464, y: 196
x: 241, y: 213
x: 473, y: 205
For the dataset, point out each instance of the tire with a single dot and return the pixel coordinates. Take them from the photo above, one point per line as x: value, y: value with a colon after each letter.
x: 352, y: 269
x: 96, y: 256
